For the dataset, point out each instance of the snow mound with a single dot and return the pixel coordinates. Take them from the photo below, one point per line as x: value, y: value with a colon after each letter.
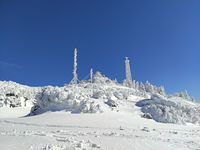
x: 102, y: 79
x: 72, y: 144
x: 81, y: 98
x: 69, y: 99
x: 16, y: 95
x: 171, y: 110
x: 86, y: 97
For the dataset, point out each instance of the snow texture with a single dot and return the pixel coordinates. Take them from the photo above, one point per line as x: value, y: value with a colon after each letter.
x: 15, y: 95
x: 102, y: 95
x: 171, y: 110
x: 115, y: 117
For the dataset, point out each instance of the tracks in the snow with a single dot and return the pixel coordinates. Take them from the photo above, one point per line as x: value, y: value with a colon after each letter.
x: 65, y: 135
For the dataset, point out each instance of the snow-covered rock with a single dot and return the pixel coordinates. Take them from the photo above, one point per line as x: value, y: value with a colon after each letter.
x: 111, y: 103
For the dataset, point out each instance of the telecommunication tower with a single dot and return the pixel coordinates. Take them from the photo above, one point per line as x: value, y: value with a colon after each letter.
x: 75, y: 76
x: 129, y: 81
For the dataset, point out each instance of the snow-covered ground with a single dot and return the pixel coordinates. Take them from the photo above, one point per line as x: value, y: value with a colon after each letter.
x: 100, y: 115
x: 107, y: 131
x: 16, y: 112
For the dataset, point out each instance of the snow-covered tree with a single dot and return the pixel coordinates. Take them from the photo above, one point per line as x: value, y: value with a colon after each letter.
x: 137, y: 85
x: 134, y: 83
x: 184, y: 95
x: 148, y: 87
x: 142, y: 87
x: 161, y: 90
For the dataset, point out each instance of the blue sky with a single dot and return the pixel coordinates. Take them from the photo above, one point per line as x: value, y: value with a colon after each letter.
x: 161, y: 39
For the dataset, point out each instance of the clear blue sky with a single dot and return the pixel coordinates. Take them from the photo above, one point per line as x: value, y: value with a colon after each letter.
x: 161, y: 39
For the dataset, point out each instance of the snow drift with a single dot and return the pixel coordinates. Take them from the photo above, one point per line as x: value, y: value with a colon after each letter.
x: 171, y: 110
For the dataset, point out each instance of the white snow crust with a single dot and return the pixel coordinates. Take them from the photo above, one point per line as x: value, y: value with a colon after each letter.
x: 103, y: 95
x: 102, y: 115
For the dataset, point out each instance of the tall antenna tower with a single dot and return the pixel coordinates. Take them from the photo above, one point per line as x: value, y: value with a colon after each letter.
x: 75, y: 76
x: 91, y: 75
x: 129, y: 81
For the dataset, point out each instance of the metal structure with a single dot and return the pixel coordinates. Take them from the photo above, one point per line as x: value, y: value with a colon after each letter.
x: 91, y: 75
x: 129, y: 81
x: 75, y: 76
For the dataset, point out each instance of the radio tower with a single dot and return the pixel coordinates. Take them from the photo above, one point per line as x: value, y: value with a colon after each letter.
x: 75, y: 76
x: 91, y: 75
x: 129, y: 81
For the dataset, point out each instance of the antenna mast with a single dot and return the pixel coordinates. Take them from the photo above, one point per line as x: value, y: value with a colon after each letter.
x: 129, y: 80
x: 75, y: 76
x: 91, y: 75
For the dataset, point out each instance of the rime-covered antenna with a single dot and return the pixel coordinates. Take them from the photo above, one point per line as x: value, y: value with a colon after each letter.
x: 91, y: 75
x: 128, y: 72
x: 75, y: 76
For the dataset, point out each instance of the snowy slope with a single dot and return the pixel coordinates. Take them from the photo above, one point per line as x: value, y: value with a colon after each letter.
x: 99, y: 115
x: 103, y: 95
x: 111, y: 130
